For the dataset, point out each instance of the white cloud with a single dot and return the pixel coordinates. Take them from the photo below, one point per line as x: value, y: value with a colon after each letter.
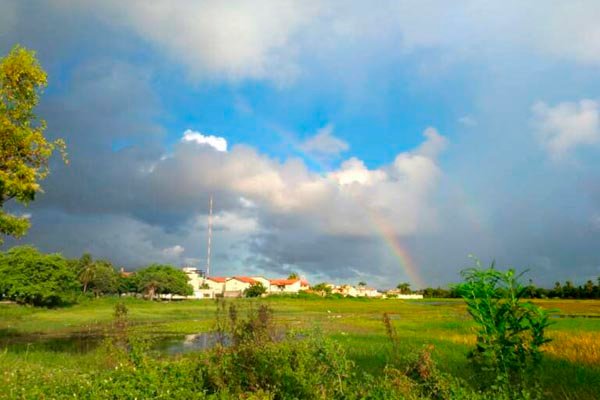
x: 324, y: 143
x: 566, y: 126
x: 216, y: 142
x: 235, y: 222
x: 467, y: 120
x: 354, y: 170
x: 232, y: 40
x: 338, y: 202
x: 433, y: 145
x: 174, y: 251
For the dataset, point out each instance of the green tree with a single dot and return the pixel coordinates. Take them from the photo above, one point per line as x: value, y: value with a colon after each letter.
x: 106, y: 279
x: 255, y: 290
x: 362, y: 284
x: 159, y: 279
x: 293, y: 275
x: 404, y: 287
x: 24, y: 151
x: 86, y: 270
x: 30, y: 277
x: 127, y: 284
x: 323, y: 288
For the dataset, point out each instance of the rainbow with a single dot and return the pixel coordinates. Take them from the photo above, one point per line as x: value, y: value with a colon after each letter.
x: 382, y: 227
x: 386, y: 231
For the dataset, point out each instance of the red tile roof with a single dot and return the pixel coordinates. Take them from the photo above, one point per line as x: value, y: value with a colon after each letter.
x: 245, y: 279
x: 218, y: 279
x: 283, y: 282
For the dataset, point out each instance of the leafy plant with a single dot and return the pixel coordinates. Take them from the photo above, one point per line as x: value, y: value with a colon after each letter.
x: 510, y: 331
x: 255, y: 290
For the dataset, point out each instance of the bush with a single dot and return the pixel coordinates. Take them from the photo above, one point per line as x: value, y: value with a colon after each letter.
x: 255, y: 290
x: 510, y: 331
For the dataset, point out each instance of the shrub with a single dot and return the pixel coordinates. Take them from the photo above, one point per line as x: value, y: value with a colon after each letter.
x: 510, y: 331
x: 255, y: 290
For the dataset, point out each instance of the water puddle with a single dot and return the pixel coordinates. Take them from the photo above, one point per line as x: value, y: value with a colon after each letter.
x: 84, y: 343
x: 189, y: 343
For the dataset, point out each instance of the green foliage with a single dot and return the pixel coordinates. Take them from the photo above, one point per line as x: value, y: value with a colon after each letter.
x: 159, y: 279
x: 30, y: 277
x: 99, y: 275
x: 24, y: 152
x: 404, y: 288
x: 322, y: 288
x: 293, y: 275
x: 105, y: 279
x: 127, y: 284
x: 255, y: 290
x: 510, y: 331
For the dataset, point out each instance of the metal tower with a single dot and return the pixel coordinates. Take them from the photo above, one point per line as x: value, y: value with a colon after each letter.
x: 210, y: 208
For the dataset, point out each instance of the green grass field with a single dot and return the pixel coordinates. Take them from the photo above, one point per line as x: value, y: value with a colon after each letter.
x: 571, y: 367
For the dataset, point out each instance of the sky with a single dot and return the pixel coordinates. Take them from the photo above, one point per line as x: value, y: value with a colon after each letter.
x: 341, y: 141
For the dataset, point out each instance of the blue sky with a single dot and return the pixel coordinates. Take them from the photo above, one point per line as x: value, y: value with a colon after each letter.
x: 471, y: 129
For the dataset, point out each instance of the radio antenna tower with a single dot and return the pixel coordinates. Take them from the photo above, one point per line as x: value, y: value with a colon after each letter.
x: 210, y: 209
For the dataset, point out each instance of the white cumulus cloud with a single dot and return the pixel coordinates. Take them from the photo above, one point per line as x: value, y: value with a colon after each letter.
x: 216, y: 142
x: 324, y: 143
x: 566, y: 126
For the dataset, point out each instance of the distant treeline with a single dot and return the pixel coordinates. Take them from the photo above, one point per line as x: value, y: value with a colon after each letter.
x: 28, y: 276
x: 589, y: 290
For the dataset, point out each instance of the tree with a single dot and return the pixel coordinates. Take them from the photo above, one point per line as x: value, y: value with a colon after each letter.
x: 159, y: 279
x: 293, y: 275
x: 362, y: 284
x: 127, y: 284
x: 85, y: 270
x: 404, y: 287
x: 255, y: 290
x: 97, y: 275
x: 105, y: 279
x: 24, y: 151
x: 30, y: 277
x: 323, y: 288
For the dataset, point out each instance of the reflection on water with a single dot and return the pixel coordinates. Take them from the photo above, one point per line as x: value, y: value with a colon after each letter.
x: 83, y: 343
x: 76, y: 343
x: 193, y: 342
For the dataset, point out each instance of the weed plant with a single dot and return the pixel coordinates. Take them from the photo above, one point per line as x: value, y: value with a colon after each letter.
x: 510, y: 331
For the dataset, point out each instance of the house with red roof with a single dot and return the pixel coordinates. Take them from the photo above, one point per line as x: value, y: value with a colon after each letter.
x: 235, y: 286
x: 287, y: 285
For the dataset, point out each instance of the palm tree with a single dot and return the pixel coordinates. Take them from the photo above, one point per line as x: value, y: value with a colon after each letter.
x: 294, y: 275
x: 86, y: 270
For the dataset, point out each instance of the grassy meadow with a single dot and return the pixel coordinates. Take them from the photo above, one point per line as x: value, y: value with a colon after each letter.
x: 570, y: 368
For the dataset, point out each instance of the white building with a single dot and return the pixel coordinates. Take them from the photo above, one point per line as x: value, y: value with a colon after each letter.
x: 235, y: 287
x: 289, y: 286
x: 212, y: 287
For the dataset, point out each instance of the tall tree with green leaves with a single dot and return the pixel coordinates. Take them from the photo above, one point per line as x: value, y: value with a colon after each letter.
x: 85, y: 270
x: 30, y: 277
x: 159, y: 279
x: 24, y: 150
